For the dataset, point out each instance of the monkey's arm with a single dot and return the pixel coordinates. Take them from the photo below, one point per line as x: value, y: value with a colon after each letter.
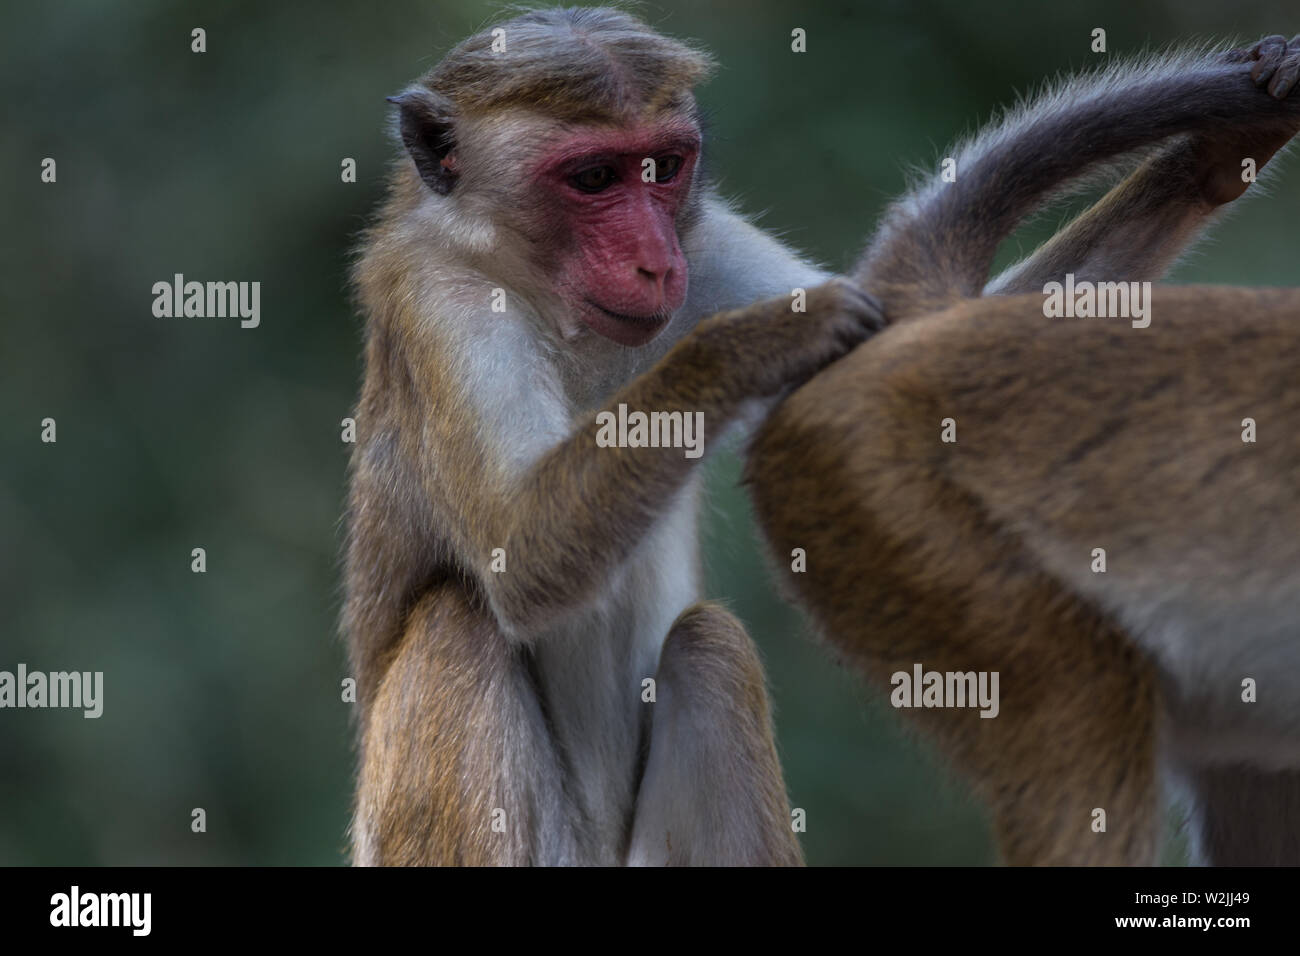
x: 936, y: 245
x: 567, y: 521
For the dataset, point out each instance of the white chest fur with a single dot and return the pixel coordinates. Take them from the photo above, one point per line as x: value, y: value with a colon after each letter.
x: 591, y: 667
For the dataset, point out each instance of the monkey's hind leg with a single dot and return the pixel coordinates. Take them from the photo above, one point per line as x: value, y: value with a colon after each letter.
x: 1245, y: 816
x: 913, y: 573
x: 712, y: 792
x: 456, y: 767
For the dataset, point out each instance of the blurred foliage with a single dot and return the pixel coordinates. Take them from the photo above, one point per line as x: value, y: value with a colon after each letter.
x: 222, y: 690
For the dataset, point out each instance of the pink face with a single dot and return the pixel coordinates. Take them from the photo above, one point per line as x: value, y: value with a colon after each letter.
x: 621, y: 268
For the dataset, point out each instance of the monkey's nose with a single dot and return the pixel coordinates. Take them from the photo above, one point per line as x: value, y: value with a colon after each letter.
x: 656, y: 276
x: 654, y: 283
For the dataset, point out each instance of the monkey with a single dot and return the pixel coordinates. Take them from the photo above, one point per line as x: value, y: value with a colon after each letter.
x: 1099, y: 529
x: 538, y: 678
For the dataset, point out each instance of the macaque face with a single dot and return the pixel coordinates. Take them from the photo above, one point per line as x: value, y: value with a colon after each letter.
x: 619, y: 264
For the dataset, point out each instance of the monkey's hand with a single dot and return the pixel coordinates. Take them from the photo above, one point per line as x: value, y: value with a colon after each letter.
x: 770, y: 347
x: 1274, y: 61
x: 1221, y: 155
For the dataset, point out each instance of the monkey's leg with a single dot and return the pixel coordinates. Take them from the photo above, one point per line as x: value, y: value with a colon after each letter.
x: 1135, y: 232
x: 937, y: 245
x: 1073, y: 732
x: 1244, y: 816
x: 456, y: 764
x: 1142, y: 225
x: 1066, y: 759
x: 1068, y: 765
x: 907, y: 568
x: 712, y: 792
x: 1139, y: 228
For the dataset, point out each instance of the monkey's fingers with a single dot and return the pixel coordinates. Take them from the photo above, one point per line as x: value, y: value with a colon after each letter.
x: 1268, y: 54
x: 863, y: 306
x: 1248, y: 54
x: 1288, y: 71
x: 840, y: 317
x: 857, y: 314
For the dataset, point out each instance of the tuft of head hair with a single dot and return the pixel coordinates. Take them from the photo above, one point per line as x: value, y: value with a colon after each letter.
x: 585, y: 64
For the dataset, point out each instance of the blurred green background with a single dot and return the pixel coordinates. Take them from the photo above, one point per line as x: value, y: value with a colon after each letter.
x: 222, y: 689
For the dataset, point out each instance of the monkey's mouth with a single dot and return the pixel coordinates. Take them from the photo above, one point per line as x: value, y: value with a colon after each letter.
x: 629, y: 330
x: 655, y: 318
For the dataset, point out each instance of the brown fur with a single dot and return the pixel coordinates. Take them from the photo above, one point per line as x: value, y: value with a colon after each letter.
x: 452, y: 676
x: 613, y: 66
x: 1068, y: 430
x: 921, y: 551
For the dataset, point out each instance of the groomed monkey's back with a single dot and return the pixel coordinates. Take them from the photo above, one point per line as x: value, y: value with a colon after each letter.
x: 1075, y: 429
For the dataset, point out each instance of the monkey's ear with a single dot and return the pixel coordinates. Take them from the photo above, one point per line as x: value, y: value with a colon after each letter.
x: 428, y: 132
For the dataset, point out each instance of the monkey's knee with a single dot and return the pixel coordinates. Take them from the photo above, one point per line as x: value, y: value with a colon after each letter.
x: 709, y: 660
x: 711, y: 625
x: 712, y: 792
x: 710, y: 676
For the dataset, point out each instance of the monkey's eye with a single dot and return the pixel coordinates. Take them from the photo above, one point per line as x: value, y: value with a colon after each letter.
x: 666, y: 168
x: 594, y: 180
